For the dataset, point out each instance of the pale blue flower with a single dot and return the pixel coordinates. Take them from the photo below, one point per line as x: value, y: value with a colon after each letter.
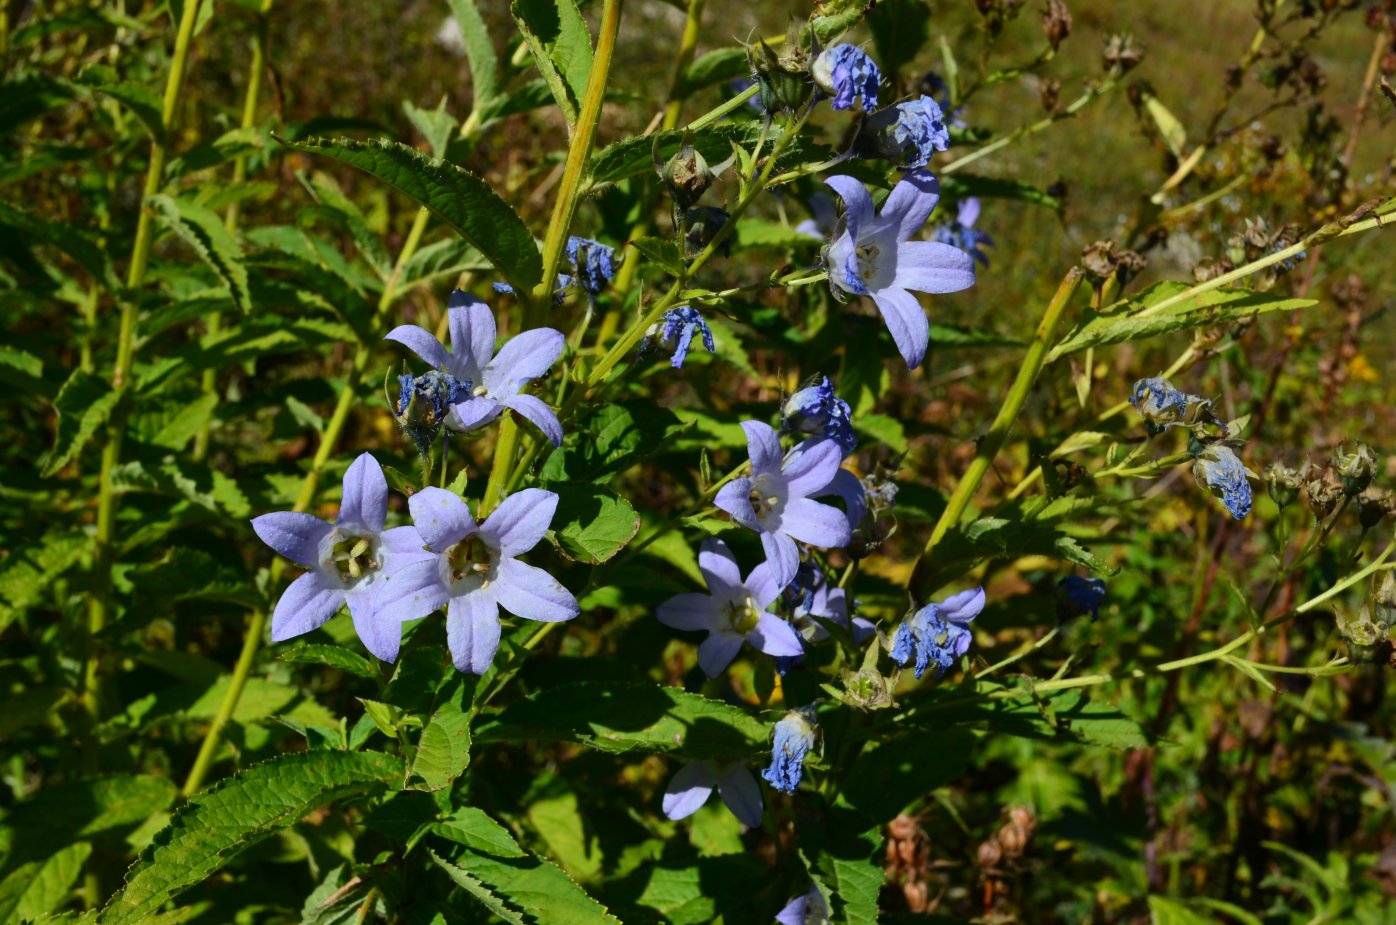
x: 349, y: 560
x: 938, y: 633
x: 908, y: 133
x: 847, y: 74
x: 1077, y: 596
x: 961, y: 232
x: 498, y: 379
x: 875, y: 256
x: 794, y: 737
x: 1218, y: 469
x: 474, y: 571
x: 690, y: 788
x: 815, y: 410
x: 776, y: 499
x: 732, y: 612
x: 806, y: 909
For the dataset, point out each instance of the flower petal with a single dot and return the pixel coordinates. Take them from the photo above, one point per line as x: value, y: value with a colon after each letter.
x: 810, y: 466
x: 403, y: 545
x: 740, y: 792
x: 929, y: 266
x: 689, y: 611
x: 849, y: 487
x: 857, y: 202
x: 911, y: 202
x: 441, y: 517
x: 775, y: 637
x: 472, y: 631
x: 818, y: 524
x: 472, y: 413
x: 735, y: 499
x: 421, y: 342
x: 293, y: 534
x: 539, y: 413
x: 717, y: 651
x: 688, y: 790
x: 411, y: 592
x: 529, y: 592
x: 304, y: 606
x: 719, y: 567
x: 380, y: 637
x: 763, y: 446
x: 365, y: 501
x: 761, y: 584
x: 472, y: 336
x: 527, y: 356
x: 782, y: 555
x: 520, y: 521
x: 963, y: 607
x: 911, y: 332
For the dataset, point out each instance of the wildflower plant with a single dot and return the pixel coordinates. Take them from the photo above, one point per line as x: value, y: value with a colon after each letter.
x: 258, y: 376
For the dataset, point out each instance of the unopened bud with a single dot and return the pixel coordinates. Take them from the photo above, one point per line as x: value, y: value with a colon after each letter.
x: 1284, y: 482
x: 1368, y: 643
x: 1324, y: 497
x: 1372, y: 506
x: 1383, y: 599
x: 784, y: 78
x: 701, y: 226
x: 686, y: 176
x: 1355, y: 468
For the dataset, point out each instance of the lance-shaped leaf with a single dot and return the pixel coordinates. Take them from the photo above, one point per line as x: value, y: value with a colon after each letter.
x: 83, y: 405
x: 525, y: 890
x: 204, y: 231
x: 453, y: 194
x: 479, y: 51
x: 558, y: 39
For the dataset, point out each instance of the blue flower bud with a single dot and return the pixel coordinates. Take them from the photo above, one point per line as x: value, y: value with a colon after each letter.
x: 908, y: 133
x: 816, y: 410
x: 1218, y: 469
x: 794, y: 737
x: 846, y: 73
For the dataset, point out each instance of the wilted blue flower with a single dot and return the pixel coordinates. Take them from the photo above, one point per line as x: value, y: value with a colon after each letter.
x: 498, y: 379
x: 349, y: 561
x: 593, y: 262
x: 794, y: 737
x: 473, y: 569
x: 423, y: 403
x: 1077, y: 596
x: 674, y: 333
x: 806, y: 909
x: 938, y: 633
x: 817, y: 411
x: 1218, y: 469
x: 908, y: 133
x: 961, y: 232
x: 776, y: 499
x: 847, y: 74
x: 811, y: 599
x: 1162, y: 406
x: 934, y: 86
x: 875, y: 256
x: 732, y: 612
x: 690, y: 788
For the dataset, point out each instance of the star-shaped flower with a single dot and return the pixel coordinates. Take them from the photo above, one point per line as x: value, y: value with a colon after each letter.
x: 732, y: 612
x: 690, y: 788
x: 497, y: 379
x: 775, y: 500
x: 349, y: 561
x: 875, y: 256
x: 938, y: 633
x: 475, y: 571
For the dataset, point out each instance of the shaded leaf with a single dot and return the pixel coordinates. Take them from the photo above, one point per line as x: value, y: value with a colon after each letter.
x: 592, y: 524
x: 560, y: 44
x: 204, y: 231
x: 84, y: 404
x: 443, y: 751
x: 311, y: 653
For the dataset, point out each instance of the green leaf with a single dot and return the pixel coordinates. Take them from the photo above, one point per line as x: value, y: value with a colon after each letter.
x: 64, y: 237
x: 844, y: 863
x: 663, y: 252
x: 943, y: 336
x: 311, y: 653
x: 63, y: 813
x: 622, y: 718
x: 448, y: 258
x: 436, y: 125
x: 884, y: 429
x: 218, y: 824
x: 558, y: 40
x: 1164, y: 911
x: 592, y: 524
x: 443, y: 751
x: 1169, y: 128
x: 1063, y: 715
x: 31, y: 567
x: 345, y: 213
x: 612, y: 439
x: 455, y: 195
x: 31, y: 707
x: 475, y: 829
x: 1120, y: 322
x: 33, y: 890
x: 899, y: 29
x: 84, y: 404
x: 635, y: 156
x: 526, y: 889
x: 714, y: 67
x: 902, y: 769
x: 966, y: 545
x: 484, y: 66
x: 694, y: 891
x: 144, y: 102
x: 204, y: 231
x: 959, y: 186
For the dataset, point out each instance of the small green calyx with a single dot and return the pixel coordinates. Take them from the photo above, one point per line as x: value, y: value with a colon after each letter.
x: 352, y: 557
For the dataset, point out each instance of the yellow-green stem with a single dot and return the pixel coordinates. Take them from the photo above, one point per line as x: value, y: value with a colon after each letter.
x: 994, y: 440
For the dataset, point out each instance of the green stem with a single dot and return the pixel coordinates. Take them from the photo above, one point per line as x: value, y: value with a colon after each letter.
x: 1069, y: 112
x: 994, y: 440
x: 257, y: 623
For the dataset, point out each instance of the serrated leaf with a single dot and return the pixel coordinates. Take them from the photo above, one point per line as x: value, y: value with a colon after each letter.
x: 843, y: 854
x: 558, y: 39
x: 337, y: 657
x: 1120, y: 322
x: 900, y: 770
x: 346, y: 214
x: 631, y: 717
x: 66, y: 238
x: 959, y: 186
x: 479, y: 52
x: 755, y: 232
x: 448, y: 258
x: 663, y: 252
x: 443, y: 751
x: 527, y: 889
x: 31, y: 567
x: 475, y: 829
x: 612, y: 439
x: 455, y: 195
x: 63, y: 813
x: 143, y: 102
x: 33, y: 890
x: 204, y: 231
x: 218, y: 824
x: 592, y: 524
x: 84, y: 404
x: 436, y: 125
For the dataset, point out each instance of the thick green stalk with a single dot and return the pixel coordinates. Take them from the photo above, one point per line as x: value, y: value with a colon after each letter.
x: 329, y: 442
x: 100, y: 608
x: 994, y: 440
